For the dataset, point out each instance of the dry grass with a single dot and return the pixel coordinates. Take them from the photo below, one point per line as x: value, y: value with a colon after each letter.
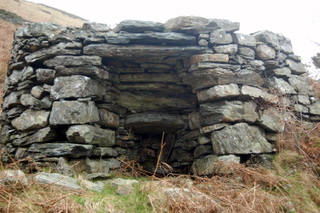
x: 316, y: 87
x: 17, y: 197
x: 222, y: 193
x: 6, y: 38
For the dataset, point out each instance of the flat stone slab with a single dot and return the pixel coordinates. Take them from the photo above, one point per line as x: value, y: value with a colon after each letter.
x: 155, y: 86
x: 57, y: 180
x: 91, y: 135
x: 71, y: 150
x: 72, y: 61
x: 219, y: 92
x: 73, y: 112
x: 100, y: 27
x: 154, y: 38
x: 91, y: 71
x: 155, y: 101
x: 43, y: 135
x: 59, y: 49
x: 208, y: 58
x: 240, y: 138
x: 137, y: 26
x: 154, y: 122
x: 212, y: 74
x: 138, y: 51
x: 149, y: 77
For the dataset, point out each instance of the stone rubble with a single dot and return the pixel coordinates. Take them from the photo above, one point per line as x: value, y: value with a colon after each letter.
x: 97, y: 95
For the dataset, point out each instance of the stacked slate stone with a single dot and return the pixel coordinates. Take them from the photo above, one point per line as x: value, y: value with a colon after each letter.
x: 192, y: 90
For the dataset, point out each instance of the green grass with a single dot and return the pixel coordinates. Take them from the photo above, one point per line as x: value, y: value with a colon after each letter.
x: 109, y: 201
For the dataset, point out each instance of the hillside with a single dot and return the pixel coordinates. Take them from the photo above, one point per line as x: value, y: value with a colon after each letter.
x: 40, y: 13
x: 14, y: 12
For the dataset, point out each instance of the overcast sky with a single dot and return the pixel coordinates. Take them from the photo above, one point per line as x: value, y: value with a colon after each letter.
x: 297, y: 20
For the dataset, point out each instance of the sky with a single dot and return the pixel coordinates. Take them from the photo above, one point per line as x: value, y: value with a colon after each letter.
x: 297, y: 20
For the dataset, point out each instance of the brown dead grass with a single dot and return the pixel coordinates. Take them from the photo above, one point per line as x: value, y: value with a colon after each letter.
x: 246, y: 190
x: 33, y: 197
x: 6, y: 38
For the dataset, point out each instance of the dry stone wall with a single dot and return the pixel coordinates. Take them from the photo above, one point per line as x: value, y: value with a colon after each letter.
x: 98, y: 95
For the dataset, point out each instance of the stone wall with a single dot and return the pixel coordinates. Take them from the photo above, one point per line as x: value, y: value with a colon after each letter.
x: 97, y: 95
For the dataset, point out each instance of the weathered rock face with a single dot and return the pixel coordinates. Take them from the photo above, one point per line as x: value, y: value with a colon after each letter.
x: 208, y: 93
x: 240, y: 138
x: 73, y: 112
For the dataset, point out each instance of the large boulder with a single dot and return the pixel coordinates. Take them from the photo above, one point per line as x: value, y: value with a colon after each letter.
x: 228, y: 111
x: 91, y: 135
x: 56, y: 179
x: 264, y: 52
x: 31, y: 119
x: 185, y: 22
x: 76, y: 86
x: 272, y: 120
x: 277, y: 41
x: 30, y: 29
x: 213, y: 164
x: 73, y: 112
x: 240, y: 138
